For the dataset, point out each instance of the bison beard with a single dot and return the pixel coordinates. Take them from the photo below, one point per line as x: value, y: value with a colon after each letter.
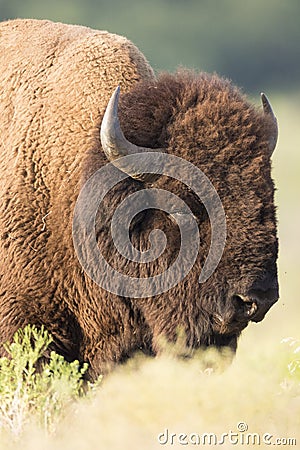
x: 54, y: 94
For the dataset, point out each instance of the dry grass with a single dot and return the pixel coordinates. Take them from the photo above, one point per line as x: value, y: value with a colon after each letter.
x: 142, y: 400
x: 146, y: 397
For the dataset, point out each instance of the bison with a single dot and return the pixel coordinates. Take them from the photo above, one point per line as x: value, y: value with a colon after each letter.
x: 56, y: 82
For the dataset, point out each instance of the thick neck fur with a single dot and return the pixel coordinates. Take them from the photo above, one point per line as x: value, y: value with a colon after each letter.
x: 205, y: 120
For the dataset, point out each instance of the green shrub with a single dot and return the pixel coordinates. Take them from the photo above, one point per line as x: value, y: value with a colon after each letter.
x: 27, y: 394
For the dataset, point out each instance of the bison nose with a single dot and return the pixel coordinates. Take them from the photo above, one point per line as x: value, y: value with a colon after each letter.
x: 264, y: 300
x: 257, y: 301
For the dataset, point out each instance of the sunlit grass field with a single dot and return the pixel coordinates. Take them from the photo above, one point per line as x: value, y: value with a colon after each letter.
x: 168, y: 403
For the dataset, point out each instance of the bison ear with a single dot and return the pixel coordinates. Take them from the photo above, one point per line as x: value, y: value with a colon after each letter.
x: 268, y: 111
x: 114, y: 143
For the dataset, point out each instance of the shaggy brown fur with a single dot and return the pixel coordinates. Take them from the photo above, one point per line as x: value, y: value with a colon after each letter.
x: 55, y: 83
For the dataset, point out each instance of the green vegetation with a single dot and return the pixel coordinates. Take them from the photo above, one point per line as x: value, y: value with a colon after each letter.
x: 25, y: 392
x: 145, y: 398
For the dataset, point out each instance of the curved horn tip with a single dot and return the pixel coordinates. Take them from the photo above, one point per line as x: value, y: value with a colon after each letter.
x: 269, y: 111
x: 116, y: 93
x: 114, y: 101
x: 266, y: 104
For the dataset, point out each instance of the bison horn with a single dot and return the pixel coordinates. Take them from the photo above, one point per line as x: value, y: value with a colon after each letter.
x: 269, y: 112
x: 114, y: 143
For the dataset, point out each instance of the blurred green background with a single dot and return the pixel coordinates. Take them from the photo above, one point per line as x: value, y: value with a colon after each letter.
x: 257, y: 45
x: 254, y: 43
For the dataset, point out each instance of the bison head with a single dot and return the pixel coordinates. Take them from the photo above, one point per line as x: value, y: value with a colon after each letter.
x: 208, y: 122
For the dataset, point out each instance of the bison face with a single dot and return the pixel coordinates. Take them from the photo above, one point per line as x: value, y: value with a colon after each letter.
x: 206, y: 121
